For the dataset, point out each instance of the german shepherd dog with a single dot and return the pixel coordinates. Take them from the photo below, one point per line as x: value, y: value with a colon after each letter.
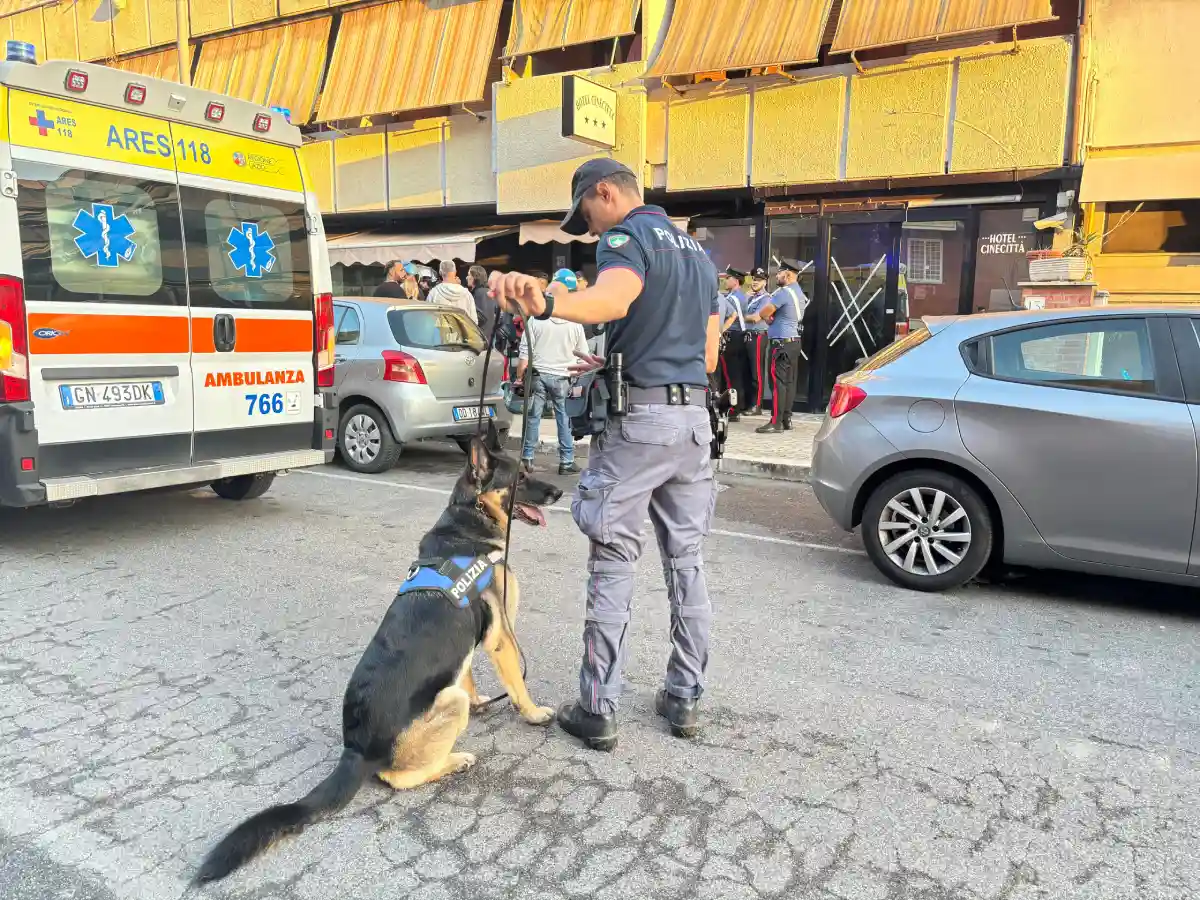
x: 410, y: 695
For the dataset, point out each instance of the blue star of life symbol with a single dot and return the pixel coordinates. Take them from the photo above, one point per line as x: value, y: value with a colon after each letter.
x: 104, y: 235
x: 251, y: 253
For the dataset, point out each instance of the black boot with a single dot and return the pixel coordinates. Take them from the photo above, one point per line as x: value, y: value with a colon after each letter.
x: 787, y: 424
x: 769, y: 428
x: 598, y: 732
x: 680, y: 714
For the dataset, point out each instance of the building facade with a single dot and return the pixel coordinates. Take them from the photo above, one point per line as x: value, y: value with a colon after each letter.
x: 902, y: 153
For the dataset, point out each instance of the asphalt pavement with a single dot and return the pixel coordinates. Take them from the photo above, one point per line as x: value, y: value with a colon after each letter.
x: 172, y: 663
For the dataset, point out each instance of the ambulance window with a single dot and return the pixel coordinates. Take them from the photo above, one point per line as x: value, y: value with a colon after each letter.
x: 94, y: 238
x: 246, y: 253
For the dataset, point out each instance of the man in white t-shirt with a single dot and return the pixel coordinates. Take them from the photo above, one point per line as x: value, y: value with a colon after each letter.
x: 555, y: 343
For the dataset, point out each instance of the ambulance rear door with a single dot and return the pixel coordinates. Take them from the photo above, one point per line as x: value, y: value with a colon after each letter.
x: 251, y: 288
x: 105, y: 286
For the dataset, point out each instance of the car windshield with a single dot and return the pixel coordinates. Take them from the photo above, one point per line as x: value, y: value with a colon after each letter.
x: 435, y: 329
x: 892, y: 352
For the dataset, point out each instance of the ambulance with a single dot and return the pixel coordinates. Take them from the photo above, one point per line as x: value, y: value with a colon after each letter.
x: 166, y: 316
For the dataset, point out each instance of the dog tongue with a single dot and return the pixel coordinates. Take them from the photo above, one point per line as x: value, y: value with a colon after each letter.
x: 533, y: 514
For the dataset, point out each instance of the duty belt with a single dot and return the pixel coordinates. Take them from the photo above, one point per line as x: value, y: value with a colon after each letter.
x: 460, y: 579
x: 669, y: 394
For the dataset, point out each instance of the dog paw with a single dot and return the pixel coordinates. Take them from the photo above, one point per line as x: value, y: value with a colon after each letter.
x: 461, y: 762
x: 541, y: 715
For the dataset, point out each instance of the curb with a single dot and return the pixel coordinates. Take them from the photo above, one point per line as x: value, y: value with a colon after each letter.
x: 729, y: 465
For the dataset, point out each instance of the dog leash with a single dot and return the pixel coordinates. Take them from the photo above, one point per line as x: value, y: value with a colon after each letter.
x: 512, y: 494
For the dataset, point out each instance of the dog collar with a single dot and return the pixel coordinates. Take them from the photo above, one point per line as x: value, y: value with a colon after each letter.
x: 460, y: 579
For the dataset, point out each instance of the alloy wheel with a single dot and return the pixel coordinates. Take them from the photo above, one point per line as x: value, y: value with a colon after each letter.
x: 924, y: 531
x: 363, y: 439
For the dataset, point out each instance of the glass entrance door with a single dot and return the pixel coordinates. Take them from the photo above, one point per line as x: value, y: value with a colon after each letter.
x: 859, y: 309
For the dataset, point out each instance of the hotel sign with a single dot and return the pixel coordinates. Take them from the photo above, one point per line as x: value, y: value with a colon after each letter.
x: 589, y: 112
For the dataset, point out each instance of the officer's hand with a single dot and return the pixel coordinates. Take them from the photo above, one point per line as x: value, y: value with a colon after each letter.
x: 587, y: 363
x: 517, y: 293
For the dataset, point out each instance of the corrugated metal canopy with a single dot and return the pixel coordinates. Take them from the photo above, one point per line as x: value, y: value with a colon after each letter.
x: 16, y: 7
x: 369, y: 248
x: 1124, y: 177
x: 713, y: 35
x: 877, y: 23
x: 410, y: 54
x: 279, y: 66
x: 163, y: 64
x: 549, y: 24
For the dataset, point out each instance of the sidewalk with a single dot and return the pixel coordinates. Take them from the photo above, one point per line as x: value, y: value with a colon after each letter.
x: 782, y: 457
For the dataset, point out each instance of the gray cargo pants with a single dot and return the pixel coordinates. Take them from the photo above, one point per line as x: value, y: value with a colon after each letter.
x: 653, y: 460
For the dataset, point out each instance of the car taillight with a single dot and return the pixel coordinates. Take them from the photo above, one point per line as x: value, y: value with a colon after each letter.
x: 324, y: 340
x: 399, y: 366
x: 14, y: 341
x: 844, y: 398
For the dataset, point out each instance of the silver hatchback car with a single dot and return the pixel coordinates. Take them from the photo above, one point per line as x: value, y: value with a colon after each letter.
x: 407, y: 370
x: 1062, y: 439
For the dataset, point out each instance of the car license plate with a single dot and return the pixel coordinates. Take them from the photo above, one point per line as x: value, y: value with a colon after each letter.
x: 471, y: 412
x: 106, y: 396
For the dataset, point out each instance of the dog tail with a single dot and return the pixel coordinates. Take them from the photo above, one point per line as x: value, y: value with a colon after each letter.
x: 259, y: 832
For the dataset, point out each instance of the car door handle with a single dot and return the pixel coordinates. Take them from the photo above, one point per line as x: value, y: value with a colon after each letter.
x: 224, y: 332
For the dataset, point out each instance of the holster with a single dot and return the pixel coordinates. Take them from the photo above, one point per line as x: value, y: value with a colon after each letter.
x: 719, y: 407
x: 587, y: 405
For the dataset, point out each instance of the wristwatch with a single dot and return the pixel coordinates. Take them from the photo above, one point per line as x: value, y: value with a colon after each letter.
x: 549, y: 310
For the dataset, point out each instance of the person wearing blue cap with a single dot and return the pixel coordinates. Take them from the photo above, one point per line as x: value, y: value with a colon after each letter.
x: 657, y: 288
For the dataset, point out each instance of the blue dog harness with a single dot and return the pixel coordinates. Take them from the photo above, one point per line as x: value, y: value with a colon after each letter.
x: 460, y: 578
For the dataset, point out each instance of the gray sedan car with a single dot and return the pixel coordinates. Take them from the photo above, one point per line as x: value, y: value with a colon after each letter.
x: 407, y: 370
x: 1062, y: 439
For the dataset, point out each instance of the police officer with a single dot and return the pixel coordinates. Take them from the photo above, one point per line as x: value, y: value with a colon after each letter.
x: 782, y: 313
x: 755, y: 339
x: 658, y: 289
x: 733, y: 345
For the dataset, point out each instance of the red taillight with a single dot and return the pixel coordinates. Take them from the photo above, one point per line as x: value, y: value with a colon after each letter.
x: 844, y: 398
x: 399, y: 366
x: 14, y: 341
x: 324, y: 340
x: 28, y: 464
x: 76, y: 81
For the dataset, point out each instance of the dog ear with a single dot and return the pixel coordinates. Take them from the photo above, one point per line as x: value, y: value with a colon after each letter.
x: 479, y: 460
x: 492, y: 438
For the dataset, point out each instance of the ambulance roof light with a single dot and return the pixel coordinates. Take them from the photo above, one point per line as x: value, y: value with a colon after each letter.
x: 20, y: 51
x: 76, y: 81
x: 283, y: 111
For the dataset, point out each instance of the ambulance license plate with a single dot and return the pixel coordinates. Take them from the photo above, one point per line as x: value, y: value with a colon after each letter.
x: 462, y: 413
x: 105, y: 396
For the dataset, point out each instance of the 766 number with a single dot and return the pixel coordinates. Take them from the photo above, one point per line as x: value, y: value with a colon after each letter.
x: 264, y: 404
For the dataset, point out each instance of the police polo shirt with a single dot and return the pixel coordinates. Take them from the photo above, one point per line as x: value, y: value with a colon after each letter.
x: 753, y: 305
x: 731, y: 304
x: 662, y: 336
x: 786, y: 323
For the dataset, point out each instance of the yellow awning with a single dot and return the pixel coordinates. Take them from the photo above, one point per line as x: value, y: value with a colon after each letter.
x: 16, y: 7
x: 163, y: 64
x: 714, y: 35
x: 549, y: 24
x: 1160, y: 173
x: 279, y: 66
x: 409, y: 54
x: 877, y: 23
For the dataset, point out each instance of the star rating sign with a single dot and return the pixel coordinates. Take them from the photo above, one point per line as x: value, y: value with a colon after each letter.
x: 104, y: 235
x: 251, y: 251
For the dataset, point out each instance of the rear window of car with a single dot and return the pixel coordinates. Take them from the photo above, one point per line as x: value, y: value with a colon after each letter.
x: 893, y: 351
x: 435, y: 329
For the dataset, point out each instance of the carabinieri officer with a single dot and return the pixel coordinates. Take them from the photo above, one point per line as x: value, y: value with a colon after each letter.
x: 658, y: 288
x: 782, y: 312
x: 733, y: 345
x: 757, y: 345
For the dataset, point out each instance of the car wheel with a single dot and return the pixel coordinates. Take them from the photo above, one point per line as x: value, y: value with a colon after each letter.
x: 365, y: 440
x: 243, y: 487
x: 927, y: 530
